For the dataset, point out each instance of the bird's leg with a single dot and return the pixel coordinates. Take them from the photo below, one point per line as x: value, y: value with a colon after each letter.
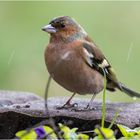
x: 68, y: 104
x: 88, y: 107
x: 68, y: 101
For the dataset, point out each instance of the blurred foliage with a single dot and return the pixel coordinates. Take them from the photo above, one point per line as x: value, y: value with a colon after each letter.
x: 46, y: 132
x: 104, y: 133
x: 37, y: 133
x: 114, y: 26
x: 129, y: 134
x: 42, y: 132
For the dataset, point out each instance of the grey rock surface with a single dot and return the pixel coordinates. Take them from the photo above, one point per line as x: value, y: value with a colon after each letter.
x: 21, y: 110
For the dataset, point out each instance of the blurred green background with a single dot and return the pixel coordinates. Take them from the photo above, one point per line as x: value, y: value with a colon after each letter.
x: 114, y: 26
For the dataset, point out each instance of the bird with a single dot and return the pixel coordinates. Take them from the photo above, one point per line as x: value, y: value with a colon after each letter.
x: 76, y: 63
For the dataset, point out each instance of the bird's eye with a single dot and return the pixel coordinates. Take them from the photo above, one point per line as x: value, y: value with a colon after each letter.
x: 62, y: 25
x: 58, y: 24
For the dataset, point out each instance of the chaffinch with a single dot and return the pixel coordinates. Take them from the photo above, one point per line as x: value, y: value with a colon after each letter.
x: 76, y: 63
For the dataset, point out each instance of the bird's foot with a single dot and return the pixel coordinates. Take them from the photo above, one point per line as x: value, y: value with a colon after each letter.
x: 67, y: 106
x: 89, y: 107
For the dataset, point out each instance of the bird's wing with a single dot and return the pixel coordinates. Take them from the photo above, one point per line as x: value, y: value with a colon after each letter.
x: 96, y: 60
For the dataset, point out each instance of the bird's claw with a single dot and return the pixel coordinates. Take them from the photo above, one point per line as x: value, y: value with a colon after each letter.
x: 68, y: 106
x: 74, y: 107
x: 88, y: 107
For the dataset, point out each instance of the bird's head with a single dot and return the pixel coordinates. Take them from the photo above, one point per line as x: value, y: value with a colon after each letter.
x: 63, y: 26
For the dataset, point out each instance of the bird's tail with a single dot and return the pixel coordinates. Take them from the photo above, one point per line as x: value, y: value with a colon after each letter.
x: 128, y: 91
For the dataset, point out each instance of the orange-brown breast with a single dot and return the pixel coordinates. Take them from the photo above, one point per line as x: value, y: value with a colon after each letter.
x: 67, y: 67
